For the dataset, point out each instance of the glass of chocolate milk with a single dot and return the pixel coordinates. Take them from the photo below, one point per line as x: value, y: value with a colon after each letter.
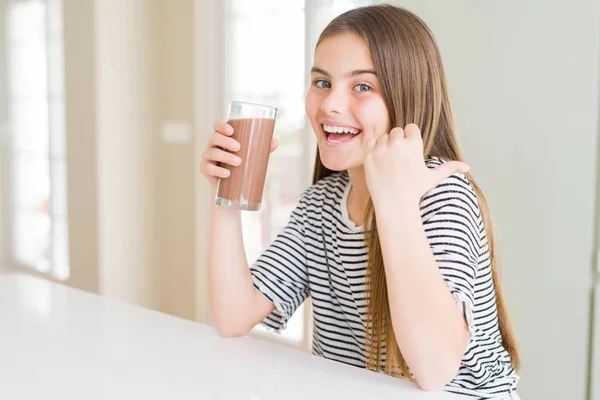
x: 253, y: 126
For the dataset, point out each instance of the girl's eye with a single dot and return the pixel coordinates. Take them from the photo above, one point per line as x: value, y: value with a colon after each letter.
x: 321, y: 84
x: 361, y: 87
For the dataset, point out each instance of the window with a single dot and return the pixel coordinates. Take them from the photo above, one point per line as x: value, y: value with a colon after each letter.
x: 33, y: 49
x: 269, y: 44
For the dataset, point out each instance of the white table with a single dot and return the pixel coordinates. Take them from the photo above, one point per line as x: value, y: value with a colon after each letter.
x: 61, y: 343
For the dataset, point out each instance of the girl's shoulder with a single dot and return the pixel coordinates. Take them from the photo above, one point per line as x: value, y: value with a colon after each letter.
x: 454, y: 190
x: 458, y: 178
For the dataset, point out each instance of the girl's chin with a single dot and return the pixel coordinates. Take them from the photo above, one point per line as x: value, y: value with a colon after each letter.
x: 337, y: 163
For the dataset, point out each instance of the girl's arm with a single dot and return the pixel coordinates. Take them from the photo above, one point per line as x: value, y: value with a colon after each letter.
x: 235, y: 304
x: 429, y: 326
x: 430, y: 329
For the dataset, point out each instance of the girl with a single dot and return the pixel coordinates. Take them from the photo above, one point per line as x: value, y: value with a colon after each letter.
x: 393, y: 241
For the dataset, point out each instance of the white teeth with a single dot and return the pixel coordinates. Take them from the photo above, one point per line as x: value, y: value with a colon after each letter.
x: 340, y: 129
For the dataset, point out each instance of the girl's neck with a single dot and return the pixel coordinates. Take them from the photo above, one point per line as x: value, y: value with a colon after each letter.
x: 358, y: 196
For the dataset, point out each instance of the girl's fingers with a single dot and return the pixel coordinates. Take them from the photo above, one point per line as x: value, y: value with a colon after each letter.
x: 397, y: 134
x: 214, y: 171
x: 440, y: 173
x: 223, y: 127
x: 369, y: 139
x: 274, y: 144
x: 227, y: 143
x: 217, y: 155
x: 412, y: 131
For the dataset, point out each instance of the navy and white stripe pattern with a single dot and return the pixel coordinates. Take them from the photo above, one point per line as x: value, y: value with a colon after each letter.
x: 321, y: 253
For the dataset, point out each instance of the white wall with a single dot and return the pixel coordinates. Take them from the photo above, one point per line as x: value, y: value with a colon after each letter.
x: 127, y: 101
x: 145, y: 62
x: 4, y: 164
x: 81, y: 131
x: 209, y: 97
x: 176, y: 168
x: 129, y: 67
x: 523, y: 77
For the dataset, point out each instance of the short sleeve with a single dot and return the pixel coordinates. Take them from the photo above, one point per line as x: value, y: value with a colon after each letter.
x: 456, y: 234
x: 280, y: 273
x: 453, y: 226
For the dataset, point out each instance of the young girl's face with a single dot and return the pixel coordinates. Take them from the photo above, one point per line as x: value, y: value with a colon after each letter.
x: 344, y: 100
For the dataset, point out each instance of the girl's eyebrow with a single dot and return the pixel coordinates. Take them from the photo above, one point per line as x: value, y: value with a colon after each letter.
x: 347, y: 75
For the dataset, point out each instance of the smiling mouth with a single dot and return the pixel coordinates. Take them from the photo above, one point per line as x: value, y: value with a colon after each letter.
x: 338, y: 134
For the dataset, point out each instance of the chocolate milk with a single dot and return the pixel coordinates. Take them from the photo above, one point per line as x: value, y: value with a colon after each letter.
x: 244, y: 186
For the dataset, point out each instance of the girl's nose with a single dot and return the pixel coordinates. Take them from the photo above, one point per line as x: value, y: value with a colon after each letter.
x: 336, y: 102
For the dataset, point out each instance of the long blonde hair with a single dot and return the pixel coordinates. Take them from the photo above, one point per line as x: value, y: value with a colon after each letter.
x: 409, y: 66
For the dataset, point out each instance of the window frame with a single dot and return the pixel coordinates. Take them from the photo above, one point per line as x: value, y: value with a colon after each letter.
x: 212, y: 90
x: 308, y: 142
x: 8, y: 261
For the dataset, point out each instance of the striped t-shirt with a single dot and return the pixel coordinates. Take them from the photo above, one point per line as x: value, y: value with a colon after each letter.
x: 321, y: 253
